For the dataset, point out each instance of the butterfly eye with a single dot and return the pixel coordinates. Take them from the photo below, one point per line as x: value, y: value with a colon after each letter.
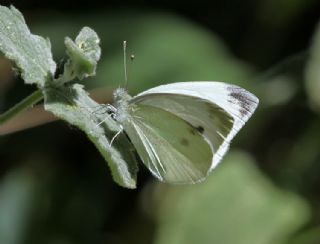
x: 109, y: 112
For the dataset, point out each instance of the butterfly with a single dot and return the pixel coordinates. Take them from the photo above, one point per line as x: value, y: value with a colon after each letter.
x: 182, y: 130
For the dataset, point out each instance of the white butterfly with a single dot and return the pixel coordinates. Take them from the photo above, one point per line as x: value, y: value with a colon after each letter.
x: 182, y: 130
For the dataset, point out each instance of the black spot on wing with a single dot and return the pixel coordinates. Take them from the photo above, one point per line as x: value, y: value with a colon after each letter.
x: 184, y: 142
x: 200, y: 129
x: 196, y: 129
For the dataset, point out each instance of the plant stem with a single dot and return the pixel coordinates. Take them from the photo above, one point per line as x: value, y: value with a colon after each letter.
x: 27, y: 102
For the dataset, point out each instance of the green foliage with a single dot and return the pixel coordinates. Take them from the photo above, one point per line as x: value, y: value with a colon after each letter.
x: 310, y: 236
x: 73, y: 105
x: 30, y: 53
x: 166, y: 47
x: 84, y: 53
x: 79, y: 202
x: 313, y: 72
x: 236, y: 205
x: 17, y: 193
x: 69, y: 102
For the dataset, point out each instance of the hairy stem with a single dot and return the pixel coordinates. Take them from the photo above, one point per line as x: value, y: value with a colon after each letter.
x: 27, y: 102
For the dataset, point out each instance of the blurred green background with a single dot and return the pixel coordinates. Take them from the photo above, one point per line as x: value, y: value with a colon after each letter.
x: 55, y: 188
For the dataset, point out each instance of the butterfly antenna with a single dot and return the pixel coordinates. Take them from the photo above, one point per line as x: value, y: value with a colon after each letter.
x: 125, y: 63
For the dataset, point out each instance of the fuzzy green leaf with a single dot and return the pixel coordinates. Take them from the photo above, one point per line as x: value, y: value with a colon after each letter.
x: 73, y: 105
x: 31, y: 53
x: 84, y: 53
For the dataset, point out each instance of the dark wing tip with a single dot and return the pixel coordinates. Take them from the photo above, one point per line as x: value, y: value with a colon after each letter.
x: 246, y: 101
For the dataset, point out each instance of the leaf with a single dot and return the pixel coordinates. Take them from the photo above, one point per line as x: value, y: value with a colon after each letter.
x: 236, y: 204
x: 308, y: 236
x: 18, y: 191
x: 31, y: 53
x: 312, y: 75
x: 72, y: 104
x: 84, y: 53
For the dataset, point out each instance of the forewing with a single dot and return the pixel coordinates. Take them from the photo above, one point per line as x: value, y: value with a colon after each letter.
x: 172, y: 149
x: 216, y: 109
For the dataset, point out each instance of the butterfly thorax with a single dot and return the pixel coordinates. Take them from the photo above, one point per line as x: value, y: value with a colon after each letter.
x: 121, y: 98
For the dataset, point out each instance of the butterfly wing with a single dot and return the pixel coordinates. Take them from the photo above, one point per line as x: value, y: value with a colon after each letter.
x: 216, y: 110
x: 172, y: 149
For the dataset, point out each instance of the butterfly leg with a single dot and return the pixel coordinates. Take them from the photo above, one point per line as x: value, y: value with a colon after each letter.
x: 102, y: 121
x: 110, y: 110
x: 115, y: 136
x: 104, y: 109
